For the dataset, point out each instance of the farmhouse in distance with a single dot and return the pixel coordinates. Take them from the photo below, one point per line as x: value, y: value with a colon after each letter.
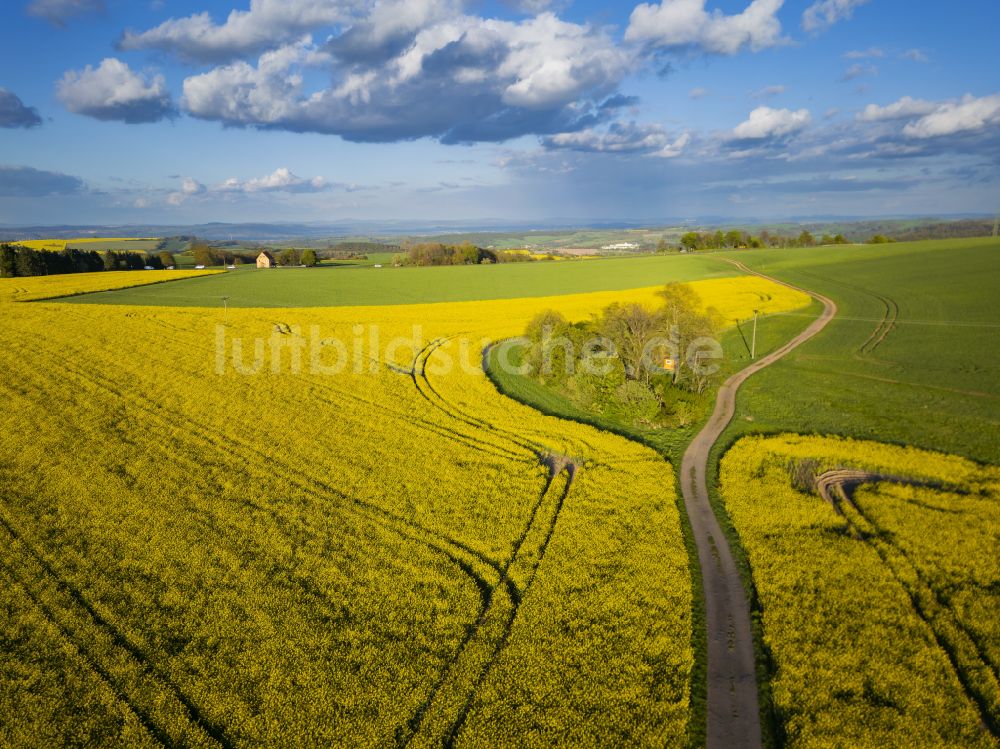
x: 266, y: 260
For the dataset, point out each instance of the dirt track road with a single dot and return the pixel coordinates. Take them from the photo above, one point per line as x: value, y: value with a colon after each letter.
x: 733, y: 707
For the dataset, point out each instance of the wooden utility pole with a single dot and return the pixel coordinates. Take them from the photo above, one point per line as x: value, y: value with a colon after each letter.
x: 753, y: 345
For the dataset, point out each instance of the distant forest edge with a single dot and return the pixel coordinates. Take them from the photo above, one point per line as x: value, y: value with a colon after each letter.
x: 23, y: 256
x: 508, y: 236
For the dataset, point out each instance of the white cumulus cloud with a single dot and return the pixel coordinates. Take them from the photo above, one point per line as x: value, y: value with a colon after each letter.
x: 281, y: 180
x: 192, y: 187
x: 969, y: 114
x: 265, y: 25
x: 686, y: 23
x: 901, y: 109
x: 765, y: 122
x: 620, y: 137
x: 112, y: 91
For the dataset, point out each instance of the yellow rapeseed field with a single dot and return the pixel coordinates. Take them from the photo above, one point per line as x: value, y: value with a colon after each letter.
x: 880, y: 613
x: 58, y: 245
x: 215, y: 535
x: 33, y: 288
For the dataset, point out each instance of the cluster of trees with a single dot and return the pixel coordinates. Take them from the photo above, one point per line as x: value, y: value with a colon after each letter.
x: 736, y: 239
x: 205, y: 254
x: 24, y: 261
x: 947, y: 230
x: 645, y: 366
x: 132, y: 261
x: 436, y: 253
x: 292, y: 257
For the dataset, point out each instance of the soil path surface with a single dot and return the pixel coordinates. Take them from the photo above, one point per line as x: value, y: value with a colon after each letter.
x: 733, y: 708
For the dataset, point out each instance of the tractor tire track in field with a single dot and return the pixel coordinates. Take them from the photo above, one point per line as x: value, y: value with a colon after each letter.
x: 455, y: 551
x: 409, y: 529
x: 438, y: 710
x: 145, y: 665
x: 837, y: 488
x: 539, y: 556
x: 426, y: 388
x: 218, y: 441
x: 442, y: 716
x: 885, y: 326
x: 733, y: 707
x: 145, y: 720
x: 436, y: 429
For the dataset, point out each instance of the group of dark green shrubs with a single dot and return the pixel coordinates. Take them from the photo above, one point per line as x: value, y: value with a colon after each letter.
x: 18, y: 261
x: 644, y: 367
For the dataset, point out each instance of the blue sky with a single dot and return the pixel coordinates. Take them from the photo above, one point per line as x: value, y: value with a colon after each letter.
x: 526, y: 110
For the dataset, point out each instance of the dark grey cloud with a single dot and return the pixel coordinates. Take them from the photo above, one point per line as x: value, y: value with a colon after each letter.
x: 59, y: 12
x: 14, y: 113
x: 390, y: 28
x: 25, y: 182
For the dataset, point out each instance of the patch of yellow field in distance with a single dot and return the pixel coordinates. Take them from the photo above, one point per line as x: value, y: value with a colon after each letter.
x: 58, y: 245
x: 72, y: 284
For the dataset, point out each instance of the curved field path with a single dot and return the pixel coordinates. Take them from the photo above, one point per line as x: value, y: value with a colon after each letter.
x: 733, y: 709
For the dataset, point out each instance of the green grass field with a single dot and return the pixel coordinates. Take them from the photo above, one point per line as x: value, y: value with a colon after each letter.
x: 932, y: 380
x: 352, y: 286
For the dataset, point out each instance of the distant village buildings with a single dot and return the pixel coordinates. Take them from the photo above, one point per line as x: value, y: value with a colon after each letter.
x: 621, y: 246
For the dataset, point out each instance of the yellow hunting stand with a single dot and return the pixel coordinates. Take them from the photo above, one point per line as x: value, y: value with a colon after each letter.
x: 669, y: 365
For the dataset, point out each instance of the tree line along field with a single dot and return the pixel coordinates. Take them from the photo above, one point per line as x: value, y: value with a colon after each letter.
x: 395, y: 556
